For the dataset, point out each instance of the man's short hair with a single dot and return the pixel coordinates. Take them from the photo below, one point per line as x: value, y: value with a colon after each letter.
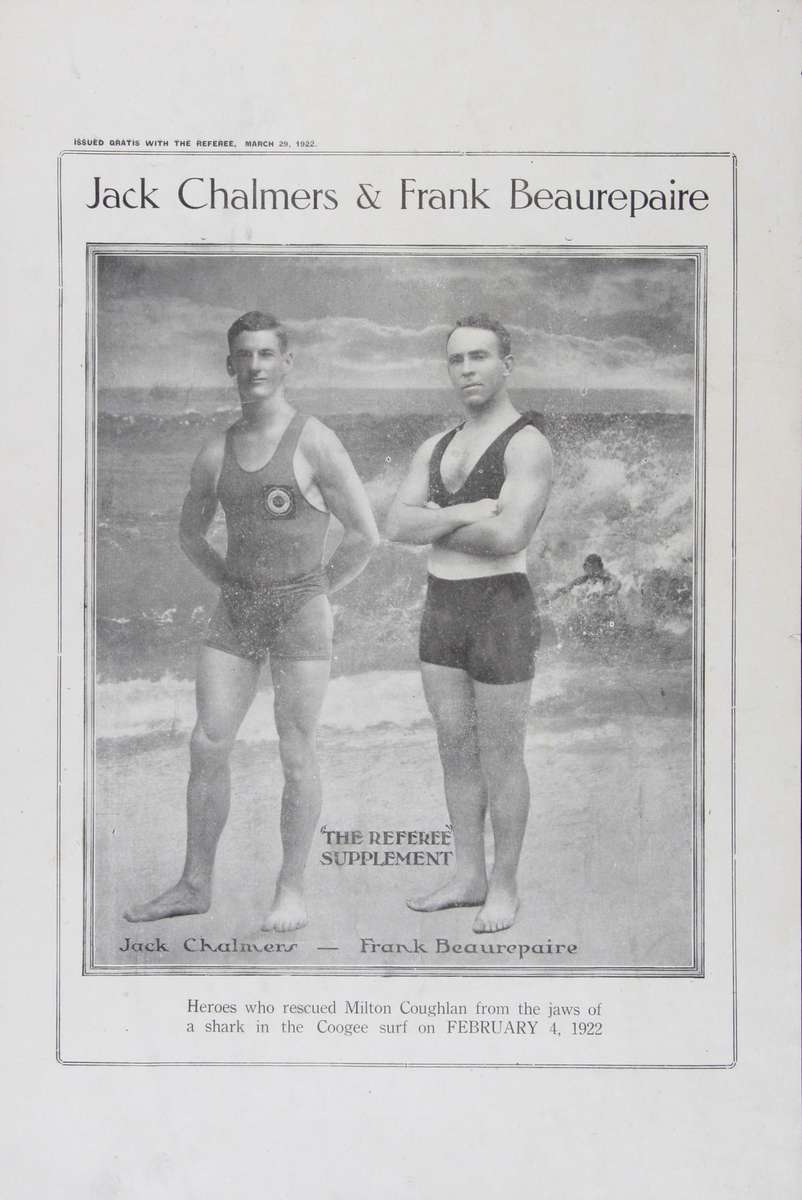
x: 484, y: 321
x: 251, y: 322
x: 593, y: 560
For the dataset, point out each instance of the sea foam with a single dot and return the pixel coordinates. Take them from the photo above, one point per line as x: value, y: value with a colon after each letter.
x: 371, y: 700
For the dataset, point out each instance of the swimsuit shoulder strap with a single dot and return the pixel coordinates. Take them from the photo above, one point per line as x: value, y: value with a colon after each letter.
x: 435, y: 478
x: 496, y: 450
x: 487, y: 475
x: 290, y: 436
x: 505, y: 437
x: 229, y: 462
x: 281, y: 462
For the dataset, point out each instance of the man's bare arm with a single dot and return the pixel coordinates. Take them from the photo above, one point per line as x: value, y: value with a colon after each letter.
x: 521, y: 502
x: 347, y: 500
x: 411, y: 521
x: 567, y: 587
x: 198, y: 511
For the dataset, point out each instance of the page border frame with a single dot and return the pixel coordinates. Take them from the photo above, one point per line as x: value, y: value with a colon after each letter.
x: 235, y: 973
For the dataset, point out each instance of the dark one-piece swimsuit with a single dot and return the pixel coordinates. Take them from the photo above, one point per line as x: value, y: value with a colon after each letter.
x: 269, y: 603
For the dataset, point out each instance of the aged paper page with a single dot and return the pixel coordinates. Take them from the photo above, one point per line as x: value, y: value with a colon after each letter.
x: 617, y: 1009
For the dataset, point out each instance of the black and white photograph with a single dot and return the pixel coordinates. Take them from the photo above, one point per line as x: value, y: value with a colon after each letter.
x: 401, y: 572
x: 394, y: 610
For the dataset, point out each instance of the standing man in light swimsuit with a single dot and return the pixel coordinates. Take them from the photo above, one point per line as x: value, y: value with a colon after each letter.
x: 278, y: 476
x: 477, y: 494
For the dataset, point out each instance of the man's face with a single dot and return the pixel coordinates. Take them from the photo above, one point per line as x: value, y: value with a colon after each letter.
x: 475, y: 366
x: 258, y: 364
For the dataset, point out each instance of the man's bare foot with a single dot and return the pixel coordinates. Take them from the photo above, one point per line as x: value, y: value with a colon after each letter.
x: 455, y: 893
x: 179, y: 901
x: 499, y: 912
x: 288, y: 911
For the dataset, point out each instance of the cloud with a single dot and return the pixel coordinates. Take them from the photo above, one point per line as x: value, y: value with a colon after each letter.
x: 576, y: 322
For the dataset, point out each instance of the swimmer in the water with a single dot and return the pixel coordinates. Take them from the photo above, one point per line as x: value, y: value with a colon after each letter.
x: 476, y: 494
x: 278, y: 476
x: 596, y: 581
x: 596, y: 616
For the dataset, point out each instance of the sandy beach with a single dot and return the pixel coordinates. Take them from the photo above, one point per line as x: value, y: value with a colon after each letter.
x: 607, y: 865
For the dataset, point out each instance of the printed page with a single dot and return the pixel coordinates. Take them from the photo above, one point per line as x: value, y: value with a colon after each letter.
x: 410, y: 521
x: 623, y: 348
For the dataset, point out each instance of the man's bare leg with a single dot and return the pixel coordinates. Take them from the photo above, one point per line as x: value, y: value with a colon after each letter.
x: 501, y: 712
x: 449, y: 694
x: 224, y: 692
x: 299, y: 687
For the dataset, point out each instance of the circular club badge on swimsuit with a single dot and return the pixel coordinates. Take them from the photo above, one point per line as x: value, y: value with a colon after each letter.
x: 278, y: 500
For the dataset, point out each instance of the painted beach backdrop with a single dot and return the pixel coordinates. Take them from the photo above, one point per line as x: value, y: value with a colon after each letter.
x: 623, y: 489
x: 605, y: 348
x: 609, y: 747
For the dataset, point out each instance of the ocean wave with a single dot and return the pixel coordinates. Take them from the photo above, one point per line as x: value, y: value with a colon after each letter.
x: 623, y: 489
x: 110, y: 424
x: 137, y: 708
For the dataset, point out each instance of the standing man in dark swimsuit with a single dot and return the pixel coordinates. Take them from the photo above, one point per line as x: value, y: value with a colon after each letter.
x: 477, y: 494
x: 278, y: 476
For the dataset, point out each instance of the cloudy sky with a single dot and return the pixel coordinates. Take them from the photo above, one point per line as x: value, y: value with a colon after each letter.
x: 376, y: 321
